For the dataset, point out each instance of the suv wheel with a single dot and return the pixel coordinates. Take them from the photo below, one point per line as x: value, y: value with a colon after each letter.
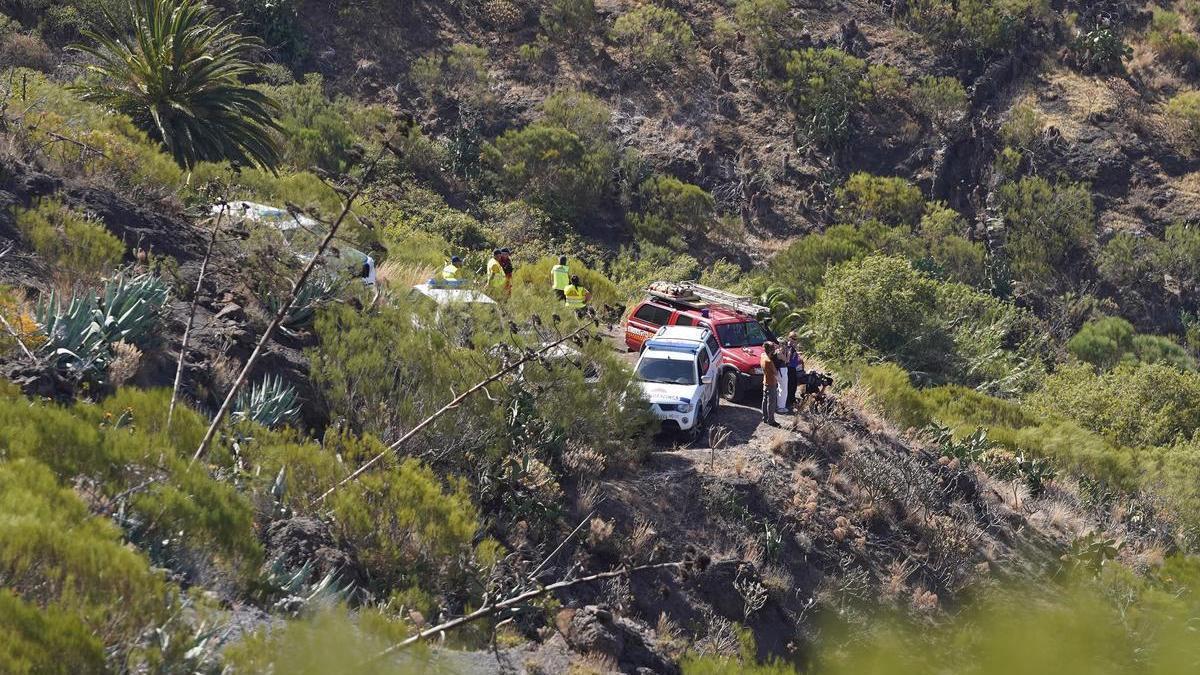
x: 729, y: 385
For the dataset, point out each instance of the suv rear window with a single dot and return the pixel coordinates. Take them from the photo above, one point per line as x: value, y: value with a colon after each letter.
x: 684, y: 320
x: 653, y: 314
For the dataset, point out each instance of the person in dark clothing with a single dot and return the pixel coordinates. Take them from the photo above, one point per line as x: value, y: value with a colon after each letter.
x: 795, y: 368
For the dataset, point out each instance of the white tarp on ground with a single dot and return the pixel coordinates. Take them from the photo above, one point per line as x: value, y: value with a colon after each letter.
x: 451, y: 296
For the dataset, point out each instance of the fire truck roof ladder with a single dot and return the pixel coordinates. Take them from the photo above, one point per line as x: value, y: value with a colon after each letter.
x: 689, y: 292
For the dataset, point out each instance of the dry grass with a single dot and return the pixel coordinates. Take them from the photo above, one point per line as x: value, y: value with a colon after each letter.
x: 1063, y: 517
x: 127, y: 359
x: 399, y: 276
x: 776, y: 579
x: 599, y: 533
x: 642, y: 538
x: 589, y: 496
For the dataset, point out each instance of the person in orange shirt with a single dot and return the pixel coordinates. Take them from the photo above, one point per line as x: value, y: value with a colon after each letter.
x: 770, y: 384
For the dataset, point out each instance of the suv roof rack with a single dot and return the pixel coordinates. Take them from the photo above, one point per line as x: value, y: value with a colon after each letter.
x: 691, y: 295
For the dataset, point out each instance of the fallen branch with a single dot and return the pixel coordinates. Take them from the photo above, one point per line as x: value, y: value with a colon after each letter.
x: 446, y: 408
x: 563, y: 543
x: 489, y: 610
x: 187, y: 332
x: 286, y: 307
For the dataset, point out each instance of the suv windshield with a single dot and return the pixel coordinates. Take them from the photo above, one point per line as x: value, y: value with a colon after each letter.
x: 667, y: 371
x: 747, y: 334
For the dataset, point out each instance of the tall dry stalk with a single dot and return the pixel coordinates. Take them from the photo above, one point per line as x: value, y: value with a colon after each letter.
x: 187, y: 331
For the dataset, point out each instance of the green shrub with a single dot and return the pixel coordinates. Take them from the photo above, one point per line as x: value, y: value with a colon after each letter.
x: 1133, y: 405
x: 1107, y: 342
x: 654, y: 37
x: 1050, y: 230
x: 673, y: 213
x: 53, y: 553
x: 881, y: 308
x: 552, y: 167
x: 1099, y: 50
x: 462, y: 75
x: 825, y: 88
x: 1127, y: 261
x: 48, y: 640
x: 277, y: 22
x: 317, y: 131
x: 323, y: 643
x: 580, y: 113
x: 766, y: 24
x: 941, y: 100
x: 889, y: 200
x: 801, y: 267
x: 568, y: 20
x: 422, y: 209
x: 72, y: 244
x: 975, y: 29
x: 1168, y: 38
x: 1183, y: 114
x: 1023, y: 127
x: 633, y: 269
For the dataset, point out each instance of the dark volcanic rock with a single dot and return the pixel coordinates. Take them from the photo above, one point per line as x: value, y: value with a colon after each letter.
x: 295, y: 542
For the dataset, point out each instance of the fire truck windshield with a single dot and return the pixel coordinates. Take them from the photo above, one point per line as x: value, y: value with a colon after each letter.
x: 745, y: 334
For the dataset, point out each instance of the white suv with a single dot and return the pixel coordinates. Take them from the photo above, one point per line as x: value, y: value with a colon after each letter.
x: 678, y: 372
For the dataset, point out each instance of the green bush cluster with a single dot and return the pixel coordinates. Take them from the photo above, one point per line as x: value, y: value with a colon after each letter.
x: 1106, y: 342
x: 73, y: 245
x: 882, y: 308
x: 673, y: 213
x: 1147, y: 272
x: 867, y: 202
x: 888, y: 200
x: 552, y: 167
x: 766, y: 25
x: 320, y: 132
x: 940, y: 100
x: 1183, y: 114
x: 825, y: 88
x: 461, y: 75
x: 567, y: 20
x: 1133, y: 405
x: 1050, y: 230
x: 654, y: 37
x: 81, y: 569
x: 975, y: 29
x: 1168, y: 38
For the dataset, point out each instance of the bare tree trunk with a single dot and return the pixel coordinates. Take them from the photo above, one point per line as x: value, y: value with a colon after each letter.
x: 291, y: 299
x: 187, y: 332
x: 446, y: 408
x: 489, y: 610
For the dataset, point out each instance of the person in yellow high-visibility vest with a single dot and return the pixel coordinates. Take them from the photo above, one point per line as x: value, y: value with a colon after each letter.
x: 560, y: 277
x: 450, y: 272
x: 576, y: 295
x: 495, y: 271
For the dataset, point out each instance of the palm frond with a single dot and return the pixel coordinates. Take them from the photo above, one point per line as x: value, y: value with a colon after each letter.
x: 179, y: 77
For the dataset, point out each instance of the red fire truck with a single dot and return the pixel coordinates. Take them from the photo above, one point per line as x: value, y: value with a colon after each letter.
x: 736, y: 323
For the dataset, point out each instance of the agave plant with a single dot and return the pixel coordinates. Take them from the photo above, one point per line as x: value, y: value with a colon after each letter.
x: 271, y: 403
x: 179, y: 76
x: 319, y: 289
x: 80, y: 335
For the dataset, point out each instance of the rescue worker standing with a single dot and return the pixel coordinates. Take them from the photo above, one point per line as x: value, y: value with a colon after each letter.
x: 770, y: 384
x: 450, y: 272
x: 507, y: 267
x: 560, y: 277
x: 495, y: 271
x: 576, y: 295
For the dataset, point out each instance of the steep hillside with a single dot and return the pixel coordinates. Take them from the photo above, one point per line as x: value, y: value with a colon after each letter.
x: 249, y: 424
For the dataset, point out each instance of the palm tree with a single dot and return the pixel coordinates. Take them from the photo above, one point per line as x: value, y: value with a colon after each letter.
x: 178, y: 75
